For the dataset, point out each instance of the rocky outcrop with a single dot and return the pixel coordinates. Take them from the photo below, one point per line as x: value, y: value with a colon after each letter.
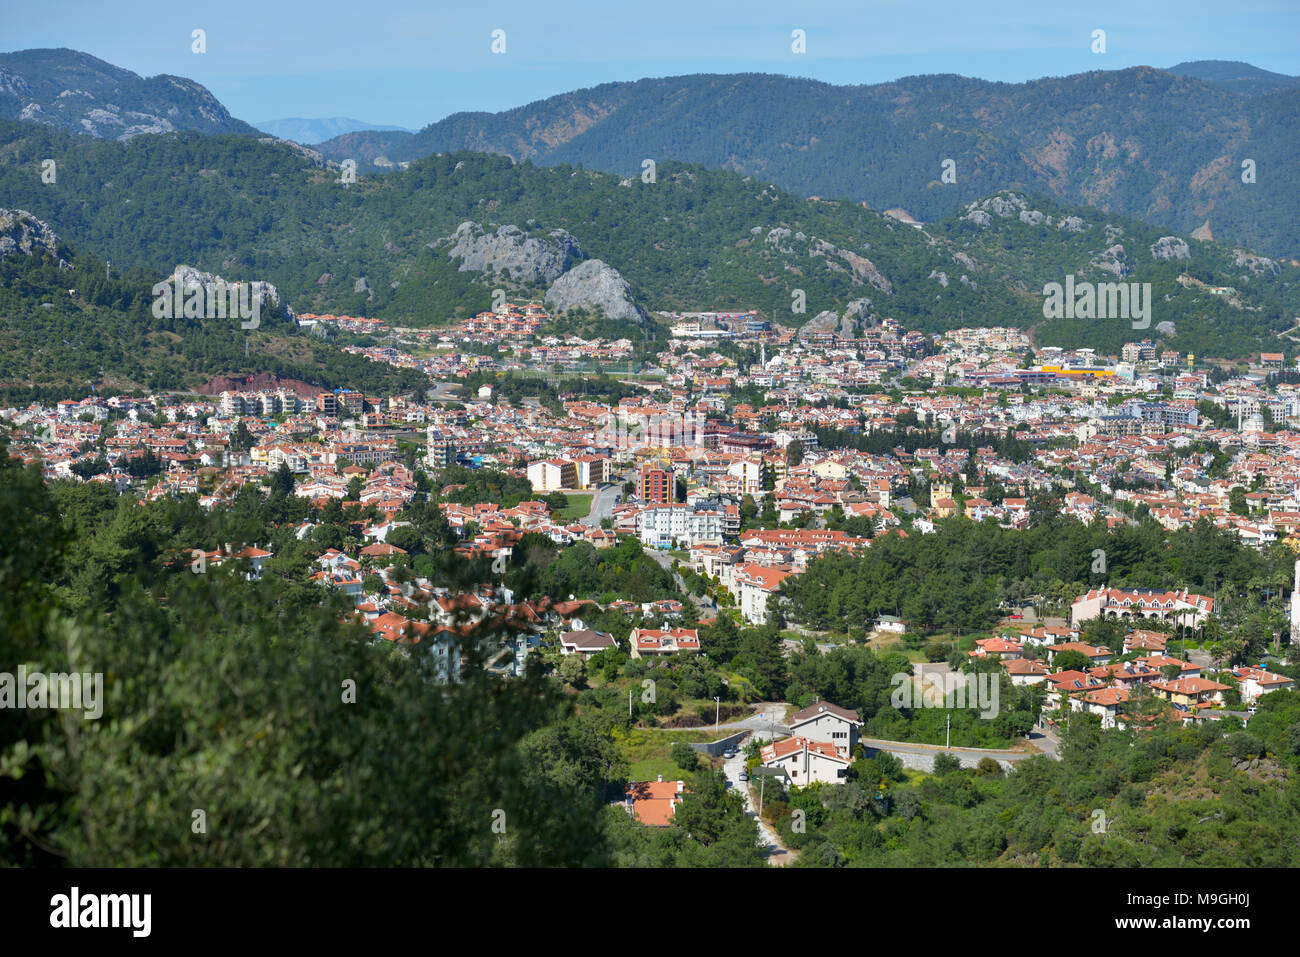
x: 314, y: 156
x: 1170, y: 247
x: 594, y: 286
x: 1006, y: 205
x: 512, y: 252
x: 1258, y: 265
x: 22, y: 233
x: 190, y: 277
x: 857, y: 315
x: 1113, y: 259
x: 861, y: 268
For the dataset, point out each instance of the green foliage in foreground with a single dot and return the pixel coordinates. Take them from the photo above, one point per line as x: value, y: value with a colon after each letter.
x: 1167, y: 798
x: 234, y: 699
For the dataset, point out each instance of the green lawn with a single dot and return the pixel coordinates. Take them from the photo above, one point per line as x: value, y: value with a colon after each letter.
x: 646, y: 750
x: 579, y: 507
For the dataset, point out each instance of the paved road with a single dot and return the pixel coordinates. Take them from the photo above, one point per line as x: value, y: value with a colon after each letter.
x: 703, y: 602
x: 908, y: 747
x: 602, y: 504
x: 768, y: 717
x: 776, y: 855
x: 444, y: 392
x: 1046, y: 742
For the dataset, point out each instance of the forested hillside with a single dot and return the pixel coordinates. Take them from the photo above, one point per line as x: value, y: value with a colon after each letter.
x: 64, y: 331
x: 1142, y: 142
x: 692, y: 238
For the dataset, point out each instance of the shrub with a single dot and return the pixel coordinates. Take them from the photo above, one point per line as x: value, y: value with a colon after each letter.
x: 1243, y: 746
x: 988, y: 768
x: 684, y: 756
x: 946, y: 764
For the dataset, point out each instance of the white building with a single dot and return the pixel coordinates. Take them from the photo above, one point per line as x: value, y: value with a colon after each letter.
x: 663, y: 526
x: 805, y: 761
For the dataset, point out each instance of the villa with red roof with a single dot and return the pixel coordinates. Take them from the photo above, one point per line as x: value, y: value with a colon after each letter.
x: 1190, y: 692
x: 806, y: 762
x: 654, y: 642
x: 1253, y: 683
x: 1182, y: 606
x: 826, y: 722
x: 654, y: 803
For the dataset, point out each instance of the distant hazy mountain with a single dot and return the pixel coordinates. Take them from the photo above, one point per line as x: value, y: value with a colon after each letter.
x: 1236, y: 77
x: 75, y: 91
x: 1143, y: 142
x: 310, y: 131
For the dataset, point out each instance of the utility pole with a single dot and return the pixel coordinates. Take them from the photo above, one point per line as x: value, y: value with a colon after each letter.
x: 629, y: 702
x: 717, y: 713
x: 761, y: 784
x: 948, y: 739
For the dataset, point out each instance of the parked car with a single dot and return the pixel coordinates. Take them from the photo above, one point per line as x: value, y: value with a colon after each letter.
x: 744, y: 775
x: 729, y: 753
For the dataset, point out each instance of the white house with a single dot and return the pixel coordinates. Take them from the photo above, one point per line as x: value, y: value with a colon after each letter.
x: 806, y: 762
x: 828, y: 722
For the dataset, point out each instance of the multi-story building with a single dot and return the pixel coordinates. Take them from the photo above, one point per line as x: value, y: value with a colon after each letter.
x: 440, y: 447
x: 352, y: 402
x: 806, y: 762
x: 1180, y: 606
x: 656, y: 486
x: 824, y: 721
x: 1135, y: 352
x: 663, y: 526
x: 549, y: 475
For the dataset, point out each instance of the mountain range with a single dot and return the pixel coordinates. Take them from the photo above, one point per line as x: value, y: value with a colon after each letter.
x: 432, y: 243
x: 80, y: 93
x: 1205, y: 147
x: 1153, y: 144
x: 311, y: 131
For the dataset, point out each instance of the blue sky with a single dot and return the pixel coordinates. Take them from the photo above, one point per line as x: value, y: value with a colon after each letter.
x: 411, y: 63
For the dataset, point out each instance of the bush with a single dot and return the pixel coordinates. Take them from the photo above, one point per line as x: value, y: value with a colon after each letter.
x: 684, y: 756
x: 988, y: 768
x: 1243, y: 746
x: 889, y: 767
x: 573, y: 670
x: 946, y: 764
